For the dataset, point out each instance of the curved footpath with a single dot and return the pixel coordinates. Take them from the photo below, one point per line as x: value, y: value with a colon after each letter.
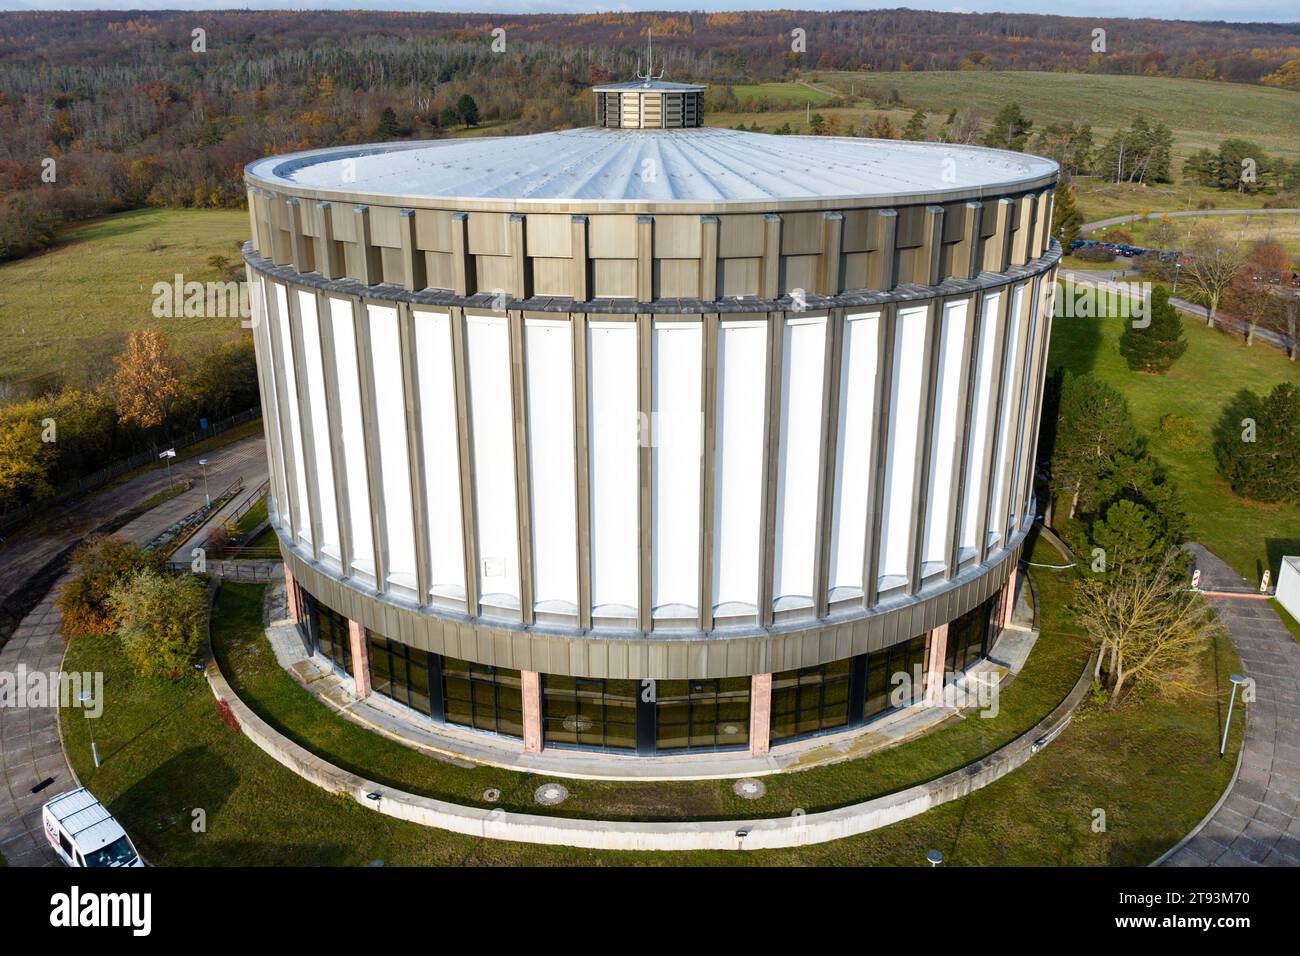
x: 1133, y: 217
x: 1256, y: 824
x: 30, y: 748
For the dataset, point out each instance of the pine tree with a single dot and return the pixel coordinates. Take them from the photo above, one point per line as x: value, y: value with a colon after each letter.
x: 1010, y: 129
x: 1155, y: 346
x: 467, y: 109
x: 915, y: 128
x: 387, y: 128
x: 1065, y: 215
x: 1257, y: 444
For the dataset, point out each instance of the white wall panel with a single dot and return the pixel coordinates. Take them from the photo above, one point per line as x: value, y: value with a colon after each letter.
x: 1024, y: 430
x: 803, y: 366
x: 268, y: 360
x: 492, y: 415
x: 1008, y: 420
x: 977, y: 476
x: 677, y: 444
x: 298, y: 498
x: 390, y: 410
x: 354, y: 442
x: 946, y: 438
x: 904, y: 426
x: 612, y: 404
x: 858, y: 363
x: 441, y: 455
x: 320, y: 429
x: 741, y: 397
x: 549, y: 361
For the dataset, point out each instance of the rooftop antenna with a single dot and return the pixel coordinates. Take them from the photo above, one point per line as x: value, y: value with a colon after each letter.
x: 649, y: 76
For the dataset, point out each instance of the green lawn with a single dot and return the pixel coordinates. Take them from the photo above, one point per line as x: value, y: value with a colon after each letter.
x: 782, y: 93
x: 1153, y: 769
x: 251, y: 518
x: 66, y: 312
x: 1248, y: 535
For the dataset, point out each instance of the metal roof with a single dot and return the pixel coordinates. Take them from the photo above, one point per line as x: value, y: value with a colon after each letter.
x: 707, y: 164
x: 85, y: 819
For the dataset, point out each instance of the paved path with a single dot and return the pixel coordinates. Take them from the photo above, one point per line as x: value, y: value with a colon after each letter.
x: 1118, y: 279
x: 1119, y: 220
x: 1258, y: 823
x: 30, y: 750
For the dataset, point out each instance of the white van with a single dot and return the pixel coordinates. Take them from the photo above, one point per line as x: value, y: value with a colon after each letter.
x: 83, y: 833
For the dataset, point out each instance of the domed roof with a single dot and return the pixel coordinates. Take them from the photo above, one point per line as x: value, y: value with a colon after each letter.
x: 707, y: 165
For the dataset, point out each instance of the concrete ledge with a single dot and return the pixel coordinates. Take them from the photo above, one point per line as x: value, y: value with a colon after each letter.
x: 761, y: 834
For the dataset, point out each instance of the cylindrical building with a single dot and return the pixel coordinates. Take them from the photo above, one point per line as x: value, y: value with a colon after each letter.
x: 649, y: 436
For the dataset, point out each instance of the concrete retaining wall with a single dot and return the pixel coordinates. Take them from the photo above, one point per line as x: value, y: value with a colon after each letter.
x: 772, y: 833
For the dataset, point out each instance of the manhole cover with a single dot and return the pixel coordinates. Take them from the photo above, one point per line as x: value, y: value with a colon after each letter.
x: 576, y: 723
x: 491, y: 794
x: 549, y: 794
x: 749, y: 788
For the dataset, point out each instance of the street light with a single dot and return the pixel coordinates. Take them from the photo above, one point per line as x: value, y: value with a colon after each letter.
x: 1237, y: 681
x: 934, y: 857
x: 94, y: 749
x: 203, y: 463
x: 1178, y: 268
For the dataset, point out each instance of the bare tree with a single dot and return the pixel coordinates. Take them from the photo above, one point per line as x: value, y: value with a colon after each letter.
x: 1211, y: 266
x: 1148, y: 626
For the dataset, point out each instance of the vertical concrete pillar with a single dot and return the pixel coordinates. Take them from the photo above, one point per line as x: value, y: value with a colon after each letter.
x: 1009, y: 591
x: 530, y: 685
x: 360, y: 658
x: 760, y: 714
x: 291, y: 592
x: 934, y: 664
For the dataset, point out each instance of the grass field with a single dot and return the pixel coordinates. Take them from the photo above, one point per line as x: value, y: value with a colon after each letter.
x: 67, y: 311
x: 1248, y: 535
x: 1153, y: 769
x: 1201, y: 113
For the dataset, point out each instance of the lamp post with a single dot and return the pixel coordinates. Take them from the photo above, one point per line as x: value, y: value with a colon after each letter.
x: 1178, y: 268
x: 1237, y: 681
x: 934, y: 857
x: 203, y: 463
x: 94, y: 749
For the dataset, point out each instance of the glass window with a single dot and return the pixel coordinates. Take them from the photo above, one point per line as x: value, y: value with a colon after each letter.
x: 969, y: 637
x: 401, y: 672
x: 702, y: 714
x: 895, y: 676
x: 589, y: 712
x: 482, y: 696
x: 327, y: 632
x: 810, y: 699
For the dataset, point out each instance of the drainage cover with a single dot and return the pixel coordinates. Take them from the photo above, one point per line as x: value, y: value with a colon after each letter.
x: 549, y: 794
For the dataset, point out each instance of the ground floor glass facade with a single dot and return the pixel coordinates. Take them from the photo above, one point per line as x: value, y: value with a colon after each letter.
x: 651, y: 716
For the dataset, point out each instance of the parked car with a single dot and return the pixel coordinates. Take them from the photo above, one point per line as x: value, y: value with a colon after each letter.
x: 83, y: 833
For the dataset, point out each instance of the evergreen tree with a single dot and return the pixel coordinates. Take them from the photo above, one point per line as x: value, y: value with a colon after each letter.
x: 387, y: 128
x: 1132, y: 537
x: 1065, y: 215
x: 915, y: 128
x: 467, y: 110
x: 1010, y: 129
x: 1156, y: 346
x: 1093, y: 427
x: 1257, y: 444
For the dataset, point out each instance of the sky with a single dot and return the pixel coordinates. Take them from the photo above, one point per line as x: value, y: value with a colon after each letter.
x: 1234, y: 10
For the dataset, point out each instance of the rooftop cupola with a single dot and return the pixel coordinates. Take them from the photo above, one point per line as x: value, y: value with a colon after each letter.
x: 649, y: 102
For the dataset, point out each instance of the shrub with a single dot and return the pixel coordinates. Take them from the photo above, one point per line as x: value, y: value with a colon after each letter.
x: 1177, y: 431
x: 98, y: 566
x: 217, y: 543
x: 161, y: 621
x: 1095, y: 254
